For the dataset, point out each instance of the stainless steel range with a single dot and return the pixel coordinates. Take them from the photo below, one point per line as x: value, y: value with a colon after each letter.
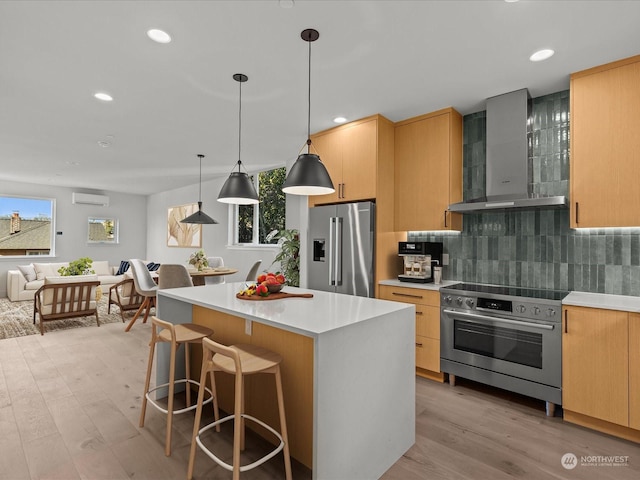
x: 507, y: 337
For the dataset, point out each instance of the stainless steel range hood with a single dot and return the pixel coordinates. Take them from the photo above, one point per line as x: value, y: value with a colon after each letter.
x: 508, y: 151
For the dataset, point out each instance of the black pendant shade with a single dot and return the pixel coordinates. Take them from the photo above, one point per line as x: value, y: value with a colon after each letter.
x: 239, y: 189
x: 308, y: 175
x: 199, y: 217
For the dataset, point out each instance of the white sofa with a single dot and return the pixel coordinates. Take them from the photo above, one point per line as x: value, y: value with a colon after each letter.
x: 21, y: 288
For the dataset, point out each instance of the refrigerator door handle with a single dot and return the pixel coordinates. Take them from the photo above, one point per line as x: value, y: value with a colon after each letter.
x: 332, y: 221
x: 338, y: 251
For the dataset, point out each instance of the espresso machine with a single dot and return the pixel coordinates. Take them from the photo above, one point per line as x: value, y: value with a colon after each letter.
x: 419, y: 258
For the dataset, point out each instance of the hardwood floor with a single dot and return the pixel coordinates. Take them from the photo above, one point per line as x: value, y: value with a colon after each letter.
x: 70, y: 405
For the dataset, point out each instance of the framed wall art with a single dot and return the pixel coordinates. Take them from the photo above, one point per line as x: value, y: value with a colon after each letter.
x: 183, y: 234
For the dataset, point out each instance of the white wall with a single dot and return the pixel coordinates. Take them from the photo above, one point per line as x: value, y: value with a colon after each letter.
x: 71, y: 220
x: 214, y: 237
x: 143, y: 228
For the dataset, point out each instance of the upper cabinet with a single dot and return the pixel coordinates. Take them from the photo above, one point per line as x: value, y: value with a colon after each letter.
x: 605, y: 145
x: 351, y: 154
x: 428, y: 171
x: 359, y: 158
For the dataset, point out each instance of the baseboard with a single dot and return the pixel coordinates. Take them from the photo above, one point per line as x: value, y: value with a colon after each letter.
x: 602, y: 426
x: 435, y: 376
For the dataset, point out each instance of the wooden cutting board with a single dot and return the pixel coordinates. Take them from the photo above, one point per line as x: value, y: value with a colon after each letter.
x: 275, y: 296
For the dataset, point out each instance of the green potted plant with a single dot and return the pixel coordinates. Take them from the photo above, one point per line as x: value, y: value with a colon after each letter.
x: 81, y: 266
x: 288, y: 256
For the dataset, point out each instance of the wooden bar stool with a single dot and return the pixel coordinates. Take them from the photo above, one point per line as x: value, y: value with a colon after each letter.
x: 239, y: 360
x: 176, y: 335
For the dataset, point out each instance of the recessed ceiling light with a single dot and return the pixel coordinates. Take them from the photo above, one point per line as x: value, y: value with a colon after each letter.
x: 286, y: 3
x: 105, y: 97
x: 511, y: 1
x: 339, y: 120
x: 541, y: 55
x: 159, y: 36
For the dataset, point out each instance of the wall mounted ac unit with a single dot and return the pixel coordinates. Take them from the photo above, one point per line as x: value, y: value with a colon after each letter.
x: 89, y: 199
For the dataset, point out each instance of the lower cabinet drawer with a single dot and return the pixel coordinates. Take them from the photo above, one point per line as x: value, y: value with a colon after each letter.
x: 427, y: 321
x: 428, y: 353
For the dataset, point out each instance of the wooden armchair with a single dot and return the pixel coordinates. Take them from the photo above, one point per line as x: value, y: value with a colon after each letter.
x: 125, y: 296
x: 66, y: 297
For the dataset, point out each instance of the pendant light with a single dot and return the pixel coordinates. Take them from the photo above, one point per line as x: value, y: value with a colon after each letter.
x: 239, y: 188
x: 199, y: 217
x: 308, y: 175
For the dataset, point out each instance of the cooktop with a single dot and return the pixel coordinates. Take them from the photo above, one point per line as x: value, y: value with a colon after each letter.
x: 479, y: 289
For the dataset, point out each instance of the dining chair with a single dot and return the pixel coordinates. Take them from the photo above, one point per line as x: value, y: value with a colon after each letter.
x: 145, y: 286
x: 253, y: 273
x: 173, y: 275
x: 214, y: 262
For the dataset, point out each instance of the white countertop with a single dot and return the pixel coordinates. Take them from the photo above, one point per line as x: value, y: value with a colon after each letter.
x: 625, y: 303
x: 307, y: 316
x: 423, y: 286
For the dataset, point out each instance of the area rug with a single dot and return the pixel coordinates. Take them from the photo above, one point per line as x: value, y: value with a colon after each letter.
x: 16, y: 318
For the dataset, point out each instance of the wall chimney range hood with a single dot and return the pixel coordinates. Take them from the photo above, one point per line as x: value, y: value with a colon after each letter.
x: 508, y: 150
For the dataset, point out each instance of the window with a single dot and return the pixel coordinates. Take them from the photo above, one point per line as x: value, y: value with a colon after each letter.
x: 268, y: 216
x: 26, y: 226
x: 102, y: 230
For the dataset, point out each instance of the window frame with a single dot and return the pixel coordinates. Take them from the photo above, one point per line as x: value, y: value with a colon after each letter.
x: 52, y: 245
x: 234, y: 214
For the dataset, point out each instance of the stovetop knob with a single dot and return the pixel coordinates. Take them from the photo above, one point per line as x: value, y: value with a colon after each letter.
x: 536, y: 310
x: 459, y: 301
x: 521, y: 309
x: 447, y: 299
x: 550, y: 312
x: 469, y: 302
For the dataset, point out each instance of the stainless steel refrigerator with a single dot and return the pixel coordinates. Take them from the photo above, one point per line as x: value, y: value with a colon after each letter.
x: 341, y: 248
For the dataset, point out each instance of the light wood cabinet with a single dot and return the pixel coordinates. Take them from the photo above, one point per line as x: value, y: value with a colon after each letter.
x: 428, y: 171
x: 595, y: 363
x: 427, y: 304
x: 350, y: 153
x: 359, y: 158
x: 599, y: 377
x: 634, y: 370
x: 605, y: 145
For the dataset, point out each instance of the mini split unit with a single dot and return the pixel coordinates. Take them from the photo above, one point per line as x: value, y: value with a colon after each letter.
x: 89, y: 199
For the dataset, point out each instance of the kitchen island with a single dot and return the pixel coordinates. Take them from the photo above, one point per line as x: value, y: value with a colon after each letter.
x: 348, y: 370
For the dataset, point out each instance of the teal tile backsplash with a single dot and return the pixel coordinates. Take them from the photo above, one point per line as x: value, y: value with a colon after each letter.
x: 536, y: 249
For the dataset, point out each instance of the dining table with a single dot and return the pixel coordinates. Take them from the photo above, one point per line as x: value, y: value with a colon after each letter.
x: 198, y: 276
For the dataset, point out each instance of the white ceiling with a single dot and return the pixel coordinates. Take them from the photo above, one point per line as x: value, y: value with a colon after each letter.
x: 171, y: 102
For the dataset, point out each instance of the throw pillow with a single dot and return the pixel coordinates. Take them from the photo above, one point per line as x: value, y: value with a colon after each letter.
x: 101, y: 267
x: 152, y: 267
x: 124, y: 266
x: 28, y: 271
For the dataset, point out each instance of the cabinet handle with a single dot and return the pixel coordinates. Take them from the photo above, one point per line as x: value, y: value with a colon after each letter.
x: 445, y: 219
x: 343, y: 195
x: 566, y: 321
x: 418, y: 345
x: 418, y: 312
x: 406, y: 295
x: 577, y: 213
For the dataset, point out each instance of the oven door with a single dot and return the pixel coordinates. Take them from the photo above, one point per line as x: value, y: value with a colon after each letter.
x: 530, y: 350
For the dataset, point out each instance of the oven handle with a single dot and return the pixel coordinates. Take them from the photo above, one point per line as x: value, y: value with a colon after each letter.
x: 475, y: 316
